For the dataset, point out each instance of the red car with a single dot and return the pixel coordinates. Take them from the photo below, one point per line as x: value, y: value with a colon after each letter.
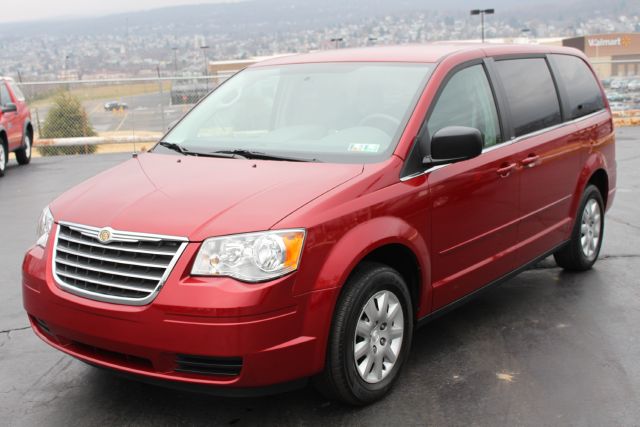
x: 305, y: 217
x: 16, y: 131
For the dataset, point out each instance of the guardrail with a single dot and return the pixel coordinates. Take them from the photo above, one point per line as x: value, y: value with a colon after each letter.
x: 128, y: 80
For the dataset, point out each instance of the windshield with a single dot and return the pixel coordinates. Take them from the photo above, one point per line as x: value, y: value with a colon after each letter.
x: 330, y: 112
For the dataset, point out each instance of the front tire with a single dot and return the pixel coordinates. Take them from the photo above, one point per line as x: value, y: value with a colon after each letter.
x: 23, y: 155
x: 370, y: 336
x: 586, y: 238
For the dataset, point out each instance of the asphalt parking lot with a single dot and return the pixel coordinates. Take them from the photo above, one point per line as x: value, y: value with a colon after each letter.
x: 545, y: 348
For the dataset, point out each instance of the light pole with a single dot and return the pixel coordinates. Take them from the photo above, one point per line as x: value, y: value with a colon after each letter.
x: 337, y: 41
x: 482, y: 12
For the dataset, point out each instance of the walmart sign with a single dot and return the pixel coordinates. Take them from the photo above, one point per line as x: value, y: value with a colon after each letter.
x: 602, y: 42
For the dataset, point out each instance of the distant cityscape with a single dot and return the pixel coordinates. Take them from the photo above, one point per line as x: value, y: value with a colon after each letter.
x: 129, y: 50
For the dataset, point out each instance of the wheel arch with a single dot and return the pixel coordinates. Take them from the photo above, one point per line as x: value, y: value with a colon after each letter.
x: 600, y: 179
x: 387, y: 240
x: 594, y: 171
x: 402, y: 259
x: 27, y: 128
x: 4, y: 139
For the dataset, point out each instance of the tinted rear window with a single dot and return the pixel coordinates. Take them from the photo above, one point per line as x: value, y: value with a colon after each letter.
x: 531, y: 94
x: 583, y: 92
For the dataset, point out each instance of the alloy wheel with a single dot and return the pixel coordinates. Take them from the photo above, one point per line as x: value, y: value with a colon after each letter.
x: 3, y: 158
x: 27, y: 146
x: 590, y: 229
x: 378, y: 337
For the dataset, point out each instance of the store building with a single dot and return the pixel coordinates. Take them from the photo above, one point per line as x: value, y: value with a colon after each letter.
x: 614, y: 54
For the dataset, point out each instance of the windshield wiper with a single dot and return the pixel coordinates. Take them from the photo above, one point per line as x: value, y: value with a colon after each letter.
x: 232, y: 154
x: 175, y: 147
x: 180, y: 149
x: 250, y: 154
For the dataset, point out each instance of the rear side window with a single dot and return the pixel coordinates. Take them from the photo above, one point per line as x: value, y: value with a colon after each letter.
x: 531, y: 94
x: 582, y: 89
x: 467, y: 100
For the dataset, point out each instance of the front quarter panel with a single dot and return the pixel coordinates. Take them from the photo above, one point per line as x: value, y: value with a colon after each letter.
x: 343, y: 227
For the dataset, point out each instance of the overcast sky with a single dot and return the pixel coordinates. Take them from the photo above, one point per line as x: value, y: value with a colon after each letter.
x: 30, y: 10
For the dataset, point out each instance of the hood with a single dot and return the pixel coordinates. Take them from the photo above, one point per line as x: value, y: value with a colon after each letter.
x: 198, y: 197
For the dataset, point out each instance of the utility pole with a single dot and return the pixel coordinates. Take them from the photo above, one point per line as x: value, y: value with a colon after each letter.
x: 66, y: 70
x: 161, y: 98
x: 175, y: 61
x: 482, y: 12
x: 66, y: 67
x: 206, y: 65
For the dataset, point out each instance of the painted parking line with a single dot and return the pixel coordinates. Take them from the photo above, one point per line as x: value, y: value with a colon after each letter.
x: 95, y: 109
x: 126, y: 114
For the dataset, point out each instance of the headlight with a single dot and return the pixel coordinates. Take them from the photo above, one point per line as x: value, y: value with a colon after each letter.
x: 45, y: 224
x: 251, y: 257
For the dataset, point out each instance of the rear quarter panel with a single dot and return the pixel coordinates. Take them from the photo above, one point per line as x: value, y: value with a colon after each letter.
x: 598, y: 152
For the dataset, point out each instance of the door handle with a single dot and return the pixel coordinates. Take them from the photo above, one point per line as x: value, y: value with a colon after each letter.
x: 530, y: 161
x: 505, y: 170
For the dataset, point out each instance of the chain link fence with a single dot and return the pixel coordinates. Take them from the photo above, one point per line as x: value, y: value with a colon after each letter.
x: 110, y: 115
x: 120, y: 115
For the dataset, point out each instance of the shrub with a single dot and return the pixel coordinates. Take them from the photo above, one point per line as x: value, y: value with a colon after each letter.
x: 67, y: 118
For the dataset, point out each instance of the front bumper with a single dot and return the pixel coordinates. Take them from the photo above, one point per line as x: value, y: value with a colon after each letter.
x: 274, y: 336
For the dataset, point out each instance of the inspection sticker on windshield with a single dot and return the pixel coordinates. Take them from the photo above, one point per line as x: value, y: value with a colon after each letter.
x: 364, y: 148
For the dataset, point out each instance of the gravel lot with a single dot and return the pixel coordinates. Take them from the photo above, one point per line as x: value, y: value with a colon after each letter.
x: 546, y: 348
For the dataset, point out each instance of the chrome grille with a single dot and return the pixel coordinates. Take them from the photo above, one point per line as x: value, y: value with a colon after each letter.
x: 129, y: 268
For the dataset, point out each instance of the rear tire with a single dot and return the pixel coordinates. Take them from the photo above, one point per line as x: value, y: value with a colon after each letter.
x: 4, y: 154
x: 370, y: 336
x: 586, y: 238
x: 23, y: 155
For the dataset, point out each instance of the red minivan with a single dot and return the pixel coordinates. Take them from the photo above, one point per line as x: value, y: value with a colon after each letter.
x: 305, y: 217
x: 16, y: 131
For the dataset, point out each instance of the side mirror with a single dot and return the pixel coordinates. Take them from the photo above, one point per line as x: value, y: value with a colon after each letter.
x: 9, y: 108
x: 454, y: 144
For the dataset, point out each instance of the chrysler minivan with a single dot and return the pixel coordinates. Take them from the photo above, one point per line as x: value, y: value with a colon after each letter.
x: 307, y: 215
